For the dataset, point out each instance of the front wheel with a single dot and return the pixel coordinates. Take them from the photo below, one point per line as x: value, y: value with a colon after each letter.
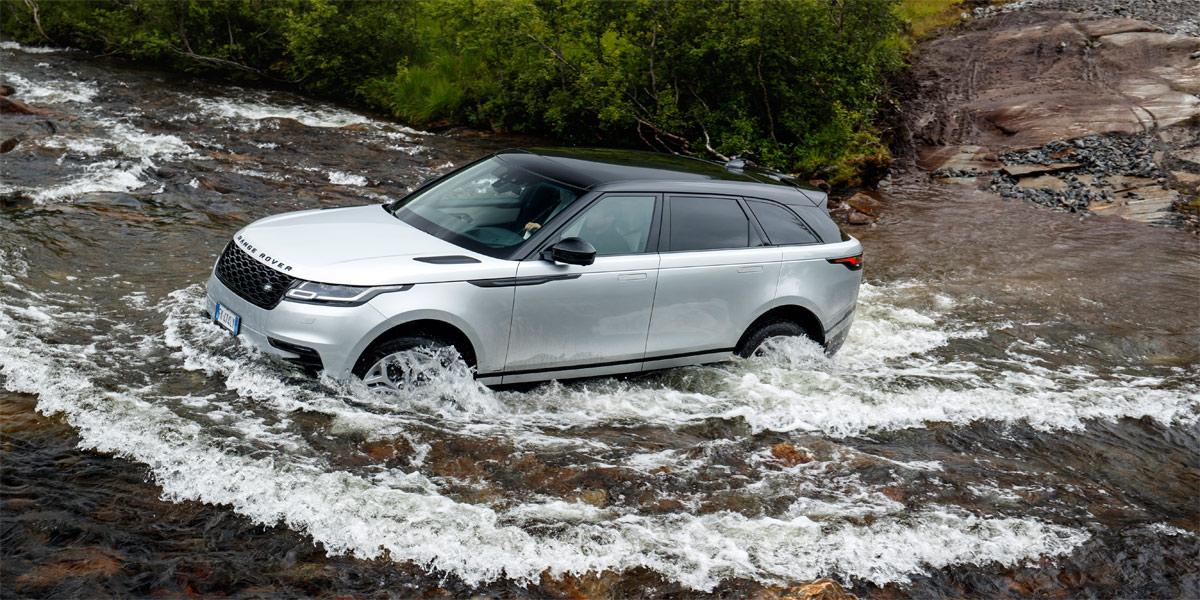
x: 403, y: 362
x: 766, y: 331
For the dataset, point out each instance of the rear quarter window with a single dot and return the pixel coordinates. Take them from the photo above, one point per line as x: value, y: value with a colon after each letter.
x: 783, y: 226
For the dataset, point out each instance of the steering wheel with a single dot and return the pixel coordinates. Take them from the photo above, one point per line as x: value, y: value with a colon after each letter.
x: 494, y: 236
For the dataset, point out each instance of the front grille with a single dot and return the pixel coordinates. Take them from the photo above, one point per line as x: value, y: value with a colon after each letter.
x: 255, y: 282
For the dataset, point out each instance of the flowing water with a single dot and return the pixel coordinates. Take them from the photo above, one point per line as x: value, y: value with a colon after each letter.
x: 1015, y: 411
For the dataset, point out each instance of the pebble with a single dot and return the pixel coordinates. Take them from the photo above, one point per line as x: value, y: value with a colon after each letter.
x: 1099, y: 155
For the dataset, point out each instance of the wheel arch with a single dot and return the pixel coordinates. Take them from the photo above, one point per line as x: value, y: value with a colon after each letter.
x: 431, y: 327
x: 800, y: 315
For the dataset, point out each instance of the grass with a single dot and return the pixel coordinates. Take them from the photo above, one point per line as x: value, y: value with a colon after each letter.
x: 926, y: 17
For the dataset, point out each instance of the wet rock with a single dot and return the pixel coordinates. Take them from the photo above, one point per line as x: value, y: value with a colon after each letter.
x: 15, y: 199
x: 790, y: 455
x: 460, y: 467
x: 1105, y: 27
x: 231, y: 157
x: 588, y: 585
x: 7, y: 90
x: 1034, y: 170
x: 8, y: 105
x: 1010, y: 89
x: 666, y: 505
x: 864, y: 203
x: 857, y: 218
x: 960, y: 159
x: 388, y: 450
x: 1044, y: 182
x: 893, y: 493
x: 72, y: 562
x: 597, y: 497
x: 821, y: 589
x: 37, y: 130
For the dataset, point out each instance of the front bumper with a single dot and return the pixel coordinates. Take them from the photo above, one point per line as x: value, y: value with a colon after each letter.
x: 331, y: 331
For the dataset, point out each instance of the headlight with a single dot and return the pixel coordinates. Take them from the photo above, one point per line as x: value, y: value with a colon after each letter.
x: 342, y: 295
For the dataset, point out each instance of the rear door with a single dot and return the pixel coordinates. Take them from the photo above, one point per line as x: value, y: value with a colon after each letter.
x: 716, y: 274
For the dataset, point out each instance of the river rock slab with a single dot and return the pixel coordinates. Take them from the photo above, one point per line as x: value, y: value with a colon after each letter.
x: 1026, y: 79
x: 1035, y: 170
x: 1043, y: 182
x: 966, y: 158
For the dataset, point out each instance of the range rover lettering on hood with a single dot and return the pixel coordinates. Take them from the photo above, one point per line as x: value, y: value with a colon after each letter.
x: 262, y: 255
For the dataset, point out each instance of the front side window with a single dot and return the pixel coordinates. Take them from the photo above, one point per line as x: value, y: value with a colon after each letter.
x: 615, y: 224
x: 490, y: 207
x: 708, y: 224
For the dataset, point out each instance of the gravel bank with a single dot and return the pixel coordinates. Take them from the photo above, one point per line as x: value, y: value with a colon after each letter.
x: 1181, y: 17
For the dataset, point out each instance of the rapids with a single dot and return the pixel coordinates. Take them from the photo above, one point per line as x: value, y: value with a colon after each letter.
x: 1015, y: 411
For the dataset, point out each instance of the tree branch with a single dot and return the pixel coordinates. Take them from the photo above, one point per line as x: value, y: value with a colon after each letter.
x: 708, y: 145
x: 221, y: 62
x: 33, y: 8
x: 555, y: 54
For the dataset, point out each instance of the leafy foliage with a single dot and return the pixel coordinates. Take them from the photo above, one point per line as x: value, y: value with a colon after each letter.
x: 792, y: 84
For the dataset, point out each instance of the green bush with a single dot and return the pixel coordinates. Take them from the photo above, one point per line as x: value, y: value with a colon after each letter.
x: 792, y: 84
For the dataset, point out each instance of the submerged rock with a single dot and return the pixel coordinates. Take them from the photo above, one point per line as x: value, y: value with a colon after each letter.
x: 37, y: 130
x: 8, y: 105
x: 71, y: 562
x: 821, y: 589
x: 790, y: 455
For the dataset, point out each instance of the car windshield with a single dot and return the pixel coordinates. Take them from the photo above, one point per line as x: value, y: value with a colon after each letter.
x: 490, y: 207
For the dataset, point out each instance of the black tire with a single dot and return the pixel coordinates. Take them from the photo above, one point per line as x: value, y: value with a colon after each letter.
x: 765, y: 331
x: 395, y: 345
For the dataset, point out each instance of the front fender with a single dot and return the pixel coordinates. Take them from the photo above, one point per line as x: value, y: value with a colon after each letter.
x: 483, y: 314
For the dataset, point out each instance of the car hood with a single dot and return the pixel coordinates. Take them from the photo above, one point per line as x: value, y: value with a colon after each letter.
x: 361, y: 245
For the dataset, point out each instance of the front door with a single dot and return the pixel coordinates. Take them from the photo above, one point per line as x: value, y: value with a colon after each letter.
x: 588, y: 320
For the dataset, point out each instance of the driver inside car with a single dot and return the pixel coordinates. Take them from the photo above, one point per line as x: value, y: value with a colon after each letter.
x: 600, y: 230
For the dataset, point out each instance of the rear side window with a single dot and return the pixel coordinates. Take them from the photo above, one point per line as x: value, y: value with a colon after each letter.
x: 782, y: 225
x: 708, y: 224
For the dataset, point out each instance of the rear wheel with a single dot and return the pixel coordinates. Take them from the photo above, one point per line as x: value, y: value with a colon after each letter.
x: 754, y: 339
x: 404, y: 361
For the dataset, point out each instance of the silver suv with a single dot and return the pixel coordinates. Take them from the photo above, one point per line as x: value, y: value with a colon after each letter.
x: 546, y: 264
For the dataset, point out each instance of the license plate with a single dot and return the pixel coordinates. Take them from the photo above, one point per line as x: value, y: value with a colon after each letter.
x: 227, y: 319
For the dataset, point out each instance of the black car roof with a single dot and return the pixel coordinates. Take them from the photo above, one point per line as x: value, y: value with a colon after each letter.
x: 611, y: 169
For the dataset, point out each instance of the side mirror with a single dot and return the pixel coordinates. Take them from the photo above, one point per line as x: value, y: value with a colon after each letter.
x: 572, y: 251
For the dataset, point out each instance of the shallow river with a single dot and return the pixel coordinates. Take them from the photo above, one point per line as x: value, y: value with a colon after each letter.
x: 1016, y: 410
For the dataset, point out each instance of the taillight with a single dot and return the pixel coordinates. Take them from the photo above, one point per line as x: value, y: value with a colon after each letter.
x: 853, y: 263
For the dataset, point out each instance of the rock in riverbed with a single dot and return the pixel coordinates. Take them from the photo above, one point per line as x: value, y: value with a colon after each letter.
x: 10, y: 106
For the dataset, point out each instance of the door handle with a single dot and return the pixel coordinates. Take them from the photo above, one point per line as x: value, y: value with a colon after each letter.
x: 754, y: 269
x: 631, y: 276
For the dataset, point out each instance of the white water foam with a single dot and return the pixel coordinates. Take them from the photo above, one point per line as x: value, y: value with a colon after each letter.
x: 53, y: 92
x: 350, y: 514
x: 103, y: 176
x: 122, y: 138
x: 260, y: 465
x: 260, y: 108
x: 30, y: 49
x: 341, y: 178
